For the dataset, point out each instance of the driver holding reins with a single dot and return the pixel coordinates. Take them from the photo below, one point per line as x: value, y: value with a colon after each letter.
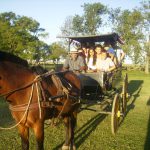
x: 74, y: 62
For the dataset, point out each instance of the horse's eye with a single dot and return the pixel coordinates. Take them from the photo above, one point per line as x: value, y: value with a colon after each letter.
x: 0, y: 77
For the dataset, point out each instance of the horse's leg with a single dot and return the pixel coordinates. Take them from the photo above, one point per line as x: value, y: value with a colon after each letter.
x: 67, y: 142
x: 73, y: 122
x: 70, y: 123
x: 24, y: 134
x: 39, y: 134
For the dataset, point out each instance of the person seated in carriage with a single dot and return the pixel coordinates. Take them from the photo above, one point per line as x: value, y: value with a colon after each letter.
x: 85, y: 50
x: 112, y: 55
x: 98, y: 51
x: 91, y: 60
x: 120, y: 55
x: 105, y: 63
x: 111, y: 52
x: 74, y: 62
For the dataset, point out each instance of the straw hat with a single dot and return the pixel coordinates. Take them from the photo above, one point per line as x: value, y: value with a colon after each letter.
x: 73, y: 50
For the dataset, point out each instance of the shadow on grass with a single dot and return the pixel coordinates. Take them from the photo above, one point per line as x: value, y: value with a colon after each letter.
x: 147, y: 141
x: 134, y: 88
x: 82, y: 133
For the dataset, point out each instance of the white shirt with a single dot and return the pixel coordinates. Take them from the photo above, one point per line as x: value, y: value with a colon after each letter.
x: 119, y: 53
x: 104, y: 65
x: 90, y: 64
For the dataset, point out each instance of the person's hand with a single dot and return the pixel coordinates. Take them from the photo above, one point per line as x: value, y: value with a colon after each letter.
x: 76, y: 71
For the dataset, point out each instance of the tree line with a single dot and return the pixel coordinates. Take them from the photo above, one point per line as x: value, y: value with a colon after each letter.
x: 22, y: 35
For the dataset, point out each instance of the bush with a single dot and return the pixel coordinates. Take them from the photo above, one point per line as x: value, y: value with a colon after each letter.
x: 134, y: 67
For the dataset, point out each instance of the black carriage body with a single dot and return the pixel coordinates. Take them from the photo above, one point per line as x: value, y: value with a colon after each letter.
x: 92, y: 85
x: 95, y: 85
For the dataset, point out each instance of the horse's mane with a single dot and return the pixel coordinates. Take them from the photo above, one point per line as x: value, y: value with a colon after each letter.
x: 5, y: 56
x: 39, y: 70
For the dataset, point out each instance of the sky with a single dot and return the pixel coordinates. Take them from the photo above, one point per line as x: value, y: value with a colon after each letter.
x: 51, y: 14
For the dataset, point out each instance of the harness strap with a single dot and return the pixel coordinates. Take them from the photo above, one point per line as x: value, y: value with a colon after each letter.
x: 37, y: 78
x: 61, y: 89
x: 25, y: 113
x: 23, y: 107
x: 42, y: 94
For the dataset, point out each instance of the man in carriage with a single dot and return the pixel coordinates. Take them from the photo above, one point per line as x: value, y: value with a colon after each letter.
x: 74, y: 62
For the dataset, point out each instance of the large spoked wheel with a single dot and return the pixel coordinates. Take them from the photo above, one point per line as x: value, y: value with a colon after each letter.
x: 116, y: 114
x: 124, y: 94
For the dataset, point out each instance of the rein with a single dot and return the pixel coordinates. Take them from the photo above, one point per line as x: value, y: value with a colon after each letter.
x: 18, y: 89
x: 30, y: 99
x: 28, y: 106
x: 37, y: 78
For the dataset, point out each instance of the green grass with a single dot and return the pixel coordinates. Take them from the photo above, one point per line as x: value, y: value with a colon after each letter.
x: 93, y: 131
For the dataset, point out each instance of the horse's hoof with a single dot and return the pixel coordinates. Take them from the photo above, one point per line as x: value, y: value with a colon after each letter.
x: 65, y: 147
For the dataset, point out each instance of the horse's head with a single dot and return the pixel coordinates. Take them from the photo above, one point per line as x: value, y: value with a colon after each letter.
x: 14, y: 72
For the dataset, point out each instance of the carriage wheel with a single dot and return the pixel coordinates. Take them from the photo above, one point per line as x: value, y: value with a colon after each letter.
x: 124, y: 94
x: 116, y: 114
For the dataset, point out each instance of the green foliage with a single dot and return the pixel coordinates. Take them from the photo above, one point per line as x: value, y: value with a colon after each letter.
x: 88, y: 23
x: 134, y: 27
x: 93, y: 17
x: 78, y: 24
x: 130, y: 25
x: 67, y: 28
x: 57, y: 51
x: 20, y: 36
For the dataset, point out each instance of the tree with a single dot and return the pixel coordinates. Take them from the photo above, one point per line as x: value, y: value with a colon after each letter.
x: 129, y: 25
x: 146, y: 31
x: 57, y: 51
x: 67, y: 28
x: 20, y: 35
x: 88, y: 23
x: 93, y: 14
x: 134, y: 27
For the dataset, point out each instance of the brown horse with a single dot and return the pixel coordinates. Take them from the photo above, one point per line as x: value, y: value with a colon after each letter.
x: 34, y: 98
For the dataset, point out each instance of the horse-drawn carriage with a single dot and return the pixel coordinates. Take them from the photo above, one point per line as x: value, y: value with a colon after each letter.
x: 103, y: 88
x: 36, y: 95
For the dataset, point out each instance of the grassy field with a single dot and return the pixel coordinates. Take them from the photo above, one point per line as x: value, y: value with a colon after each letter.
x: 93, y: 130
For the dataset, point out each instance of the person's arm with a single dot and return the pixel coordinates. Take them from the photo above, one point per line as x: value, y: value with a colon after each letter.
x: 66, y: 64
x: 82, y: 64
x: 111, y: 66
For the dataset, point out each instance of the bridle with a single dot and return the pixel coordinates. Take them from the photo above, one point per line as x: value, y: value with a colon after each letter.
x: 27, y: 106
x: 32, y: 106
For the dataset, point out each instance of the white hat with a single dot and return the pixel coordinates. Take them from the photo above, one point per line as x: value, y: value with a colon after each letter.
x: 73, y: 50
